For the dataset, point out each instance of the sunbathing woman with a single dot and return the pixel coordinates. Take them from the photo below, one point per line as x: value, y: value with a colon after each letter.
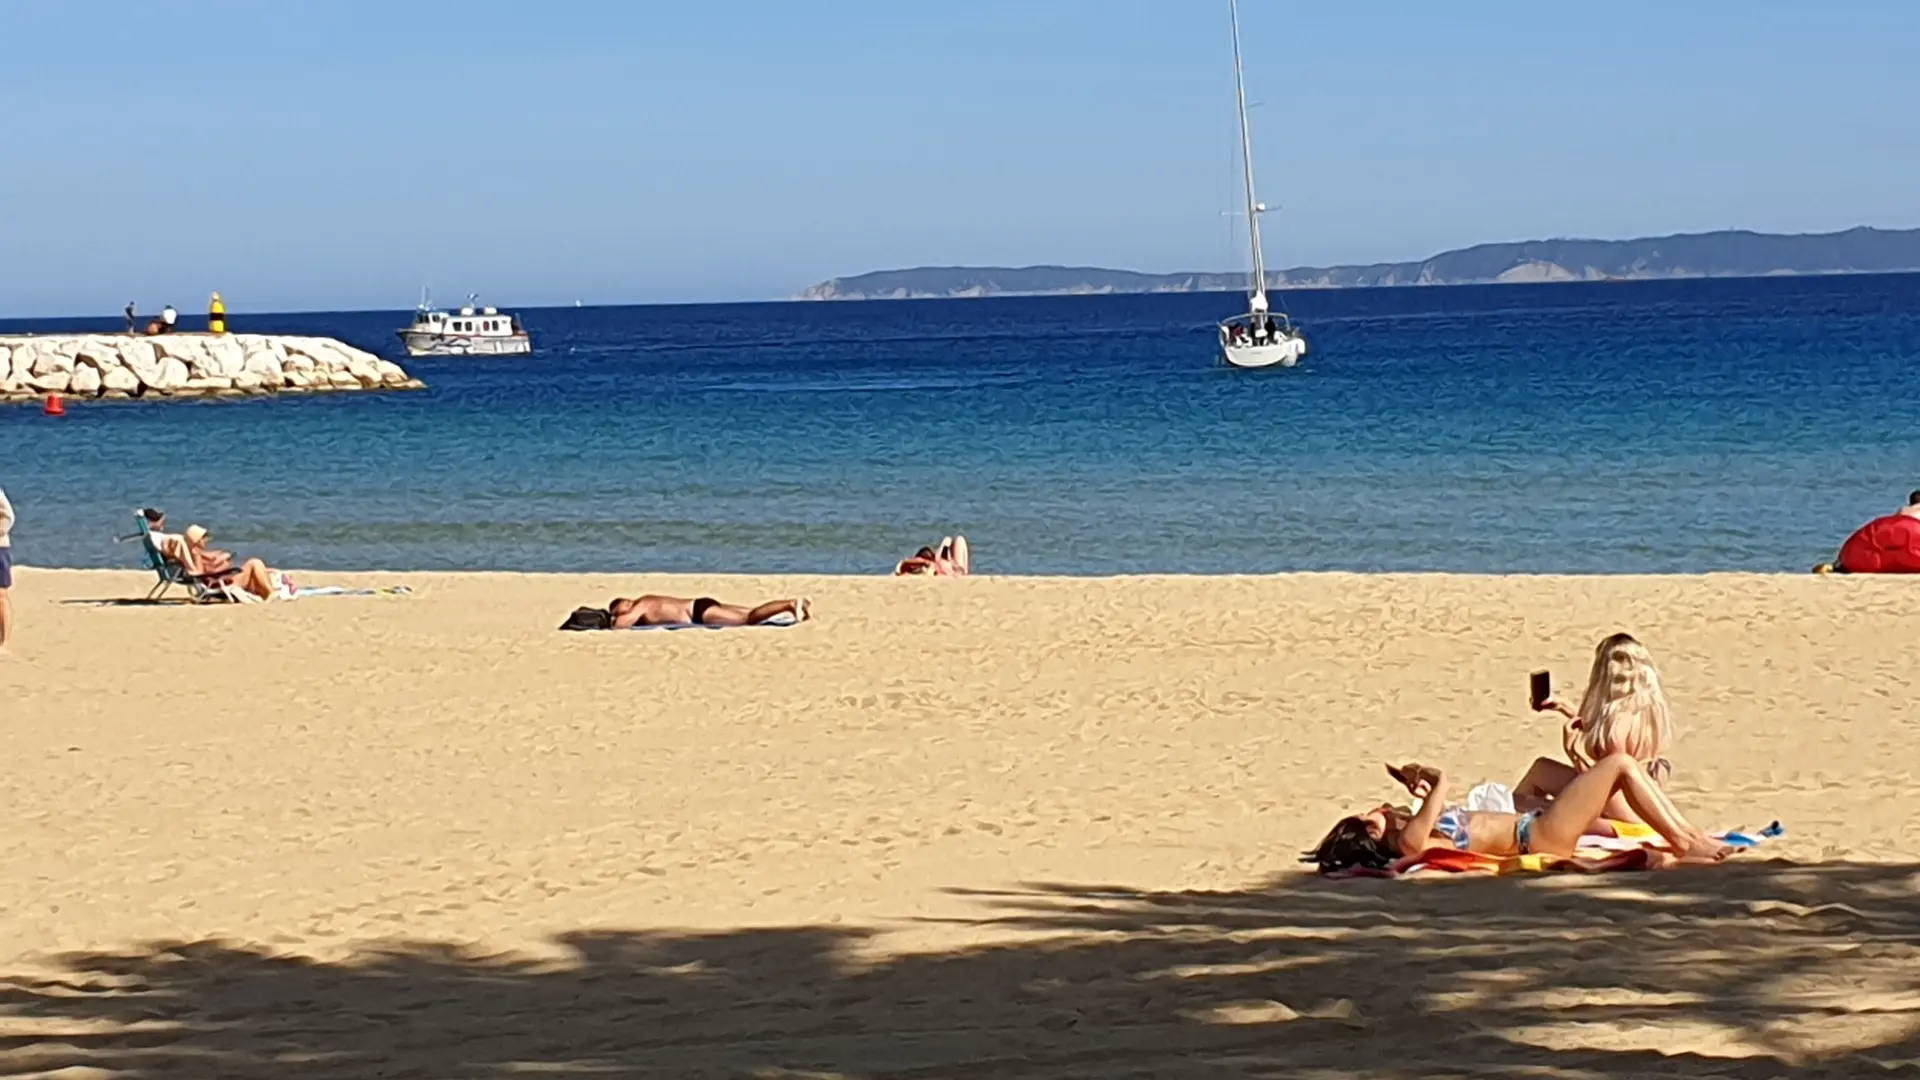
x: 702, y: 611
x: 1624, y: 711
x: 1392, y: 837
x: 194, y: 556
x: 953, y: 559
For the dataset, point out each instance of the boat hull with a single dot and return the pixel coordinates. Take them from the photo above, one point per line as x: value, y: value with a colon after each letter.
x: 430, y: 344
x: 1283, y: 353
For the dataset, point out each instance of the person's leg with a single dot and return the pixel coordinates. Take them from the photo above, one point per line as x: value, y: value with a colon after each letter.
x: 6, y: 598
x: 735, y: 615
x: 1558, y: 829
x: 1544, y: 779
x: 256, y: 579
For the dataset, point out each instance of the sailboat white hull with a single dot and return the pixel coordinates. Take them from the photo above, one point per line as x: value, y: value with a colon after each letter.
x: 1283, y: 353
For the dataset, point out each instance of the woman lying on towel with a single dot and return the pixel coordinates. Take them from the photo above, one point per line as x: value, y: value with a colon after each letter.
x: 700, y: 611
x: 953, y: 559
x: 1624, y: 711
x: 1394, y: 838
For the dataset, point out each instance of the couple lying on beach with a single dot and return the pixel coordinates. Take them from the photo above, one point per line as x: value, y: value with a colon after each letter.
x: 1614, y: 772
x: 189, y: 551
x: 623, y: 613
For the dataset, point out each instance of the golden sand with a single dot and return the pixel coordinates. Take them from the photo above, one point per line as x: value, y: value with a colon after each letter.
x: 1031, y: 827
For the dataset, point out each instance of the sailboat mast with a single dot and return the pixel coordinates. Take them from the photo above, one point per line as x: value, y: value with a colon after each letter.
x: 1246, y: 166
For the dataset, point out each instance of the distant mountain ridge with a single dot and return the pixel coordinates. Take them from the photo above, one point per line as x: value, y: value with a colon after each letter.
x: 1730, y: 253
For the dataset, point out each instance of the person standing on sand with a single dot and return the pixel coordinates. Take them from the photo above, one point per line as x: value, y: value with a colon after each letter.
x: 6, y: 570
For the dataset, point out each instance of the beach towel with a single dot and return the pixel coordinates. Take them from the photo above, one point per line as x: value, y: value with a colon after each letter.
x: 340, y: 590
x: 1631, y: 847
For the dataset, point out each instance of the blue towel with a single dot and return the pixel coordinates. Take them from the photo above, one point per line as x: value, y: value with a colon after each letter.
x: 1737, y: 838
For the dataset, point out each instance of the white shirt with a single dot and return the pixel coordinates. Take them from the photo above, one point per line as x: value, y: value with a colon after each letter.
x: 168, y: 315
x: 6, y: 520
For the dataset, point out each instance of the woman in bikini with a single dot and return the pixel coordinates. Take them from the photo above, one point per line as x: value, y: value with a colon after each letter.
x: 1624, y: 711
x: 654, y: 610
x: 1393, y: 837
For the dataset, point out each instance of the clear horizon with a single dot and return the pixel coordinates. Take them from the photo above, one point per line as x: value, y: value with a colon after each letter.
x: 320, y: 158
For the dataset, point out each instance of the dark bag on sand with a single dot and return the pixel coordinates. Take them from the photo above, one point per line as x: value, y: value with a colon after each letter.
x: 589, y: 618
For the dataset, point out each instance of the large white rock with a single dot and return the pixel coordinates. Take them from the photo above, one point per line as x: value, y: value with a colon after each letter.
x: 261, y: 362
x: 139, y: 358
x: 54, y: 383
x: 21, y: 365
x: 299, y: 362
x: 187, y: 349
x: 209, y: 382
x: 252, y: 382
x: 225, y: 357
x: 173, y: 375
x: 392, y: 374
x: 50, y: 362
x: 120, y: 381
x: 85, y: 380
x: 343, y: 380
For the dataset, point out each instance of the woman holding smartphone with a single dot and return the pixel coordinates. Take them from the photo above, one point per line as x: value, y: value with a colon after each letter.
x: 1624, y: 711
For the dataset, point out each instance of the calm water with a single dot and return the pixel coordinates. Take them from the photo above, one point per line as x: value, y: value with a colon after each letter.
x: 1675, y: 426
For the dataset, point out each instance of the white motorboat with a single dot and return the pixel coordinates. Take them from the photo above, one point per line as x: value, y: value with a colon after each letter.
x: 471, y: 331
x: 1259, y: 338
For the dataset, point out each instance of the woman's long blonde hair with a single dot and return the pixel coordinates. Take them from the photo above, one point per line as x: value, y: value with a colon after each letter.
x: 1624, y: 707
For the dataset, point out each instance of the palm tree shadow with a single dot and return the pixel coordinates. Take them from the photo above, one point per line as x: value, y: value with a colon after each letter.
x: 1753, y: 970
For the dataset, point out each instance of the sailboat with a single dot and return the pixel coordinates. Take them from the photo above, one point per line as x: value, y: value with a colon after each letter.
x: 1259, y: 338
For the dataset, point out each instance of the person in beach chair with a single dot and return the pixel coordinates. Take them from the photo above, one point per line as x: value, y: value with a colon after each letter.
x: 651, y: 610
x: 954, y: 558
x: 253, y: 579
x: 1623, y: 711
x: 1394, y: 837
x: 165, y: 551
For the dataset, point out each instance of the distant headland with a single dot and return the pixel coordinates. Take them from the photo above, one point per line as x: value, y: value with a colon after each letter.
x: 1731, y: 253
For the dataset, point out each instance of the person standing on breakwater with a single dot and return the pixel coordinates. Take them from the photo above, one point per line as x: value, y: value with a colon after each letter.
x: 133, y: 320
x: 6, y: 570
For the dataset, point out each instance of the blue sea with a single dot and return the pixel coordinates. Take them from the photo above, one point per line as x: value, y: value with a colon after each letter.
x: 1590, y: 428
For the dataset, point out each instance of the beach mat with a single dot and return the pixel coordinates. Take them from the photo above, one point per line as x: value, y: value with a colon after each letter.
x: 302, y: 592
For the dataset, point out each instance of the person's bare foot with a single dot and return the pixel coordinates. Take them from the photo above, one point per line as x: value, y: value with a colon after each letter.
x: 802, y: 609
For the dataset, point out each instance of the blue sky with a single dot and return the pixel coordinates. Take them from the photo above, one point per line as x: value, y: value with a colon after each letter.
x: 337, y: 154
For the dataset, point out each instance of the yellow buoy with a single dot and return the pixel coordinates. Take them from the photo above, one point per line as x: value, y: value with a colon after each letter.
x: 216, y: 316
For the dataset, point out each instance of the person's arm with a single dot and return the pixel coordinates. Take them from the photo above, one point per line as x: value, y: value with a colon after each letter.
x: 1416, y: 835
x: 6, y: 514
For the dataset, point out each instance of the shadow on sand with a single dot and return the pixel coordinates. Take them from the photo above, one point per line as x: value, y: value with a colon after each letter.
x: 1749, y: 970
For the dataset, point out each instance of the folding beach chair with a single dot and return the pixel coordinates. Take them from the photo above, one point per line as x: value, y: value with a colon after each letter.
x: 202, y: 588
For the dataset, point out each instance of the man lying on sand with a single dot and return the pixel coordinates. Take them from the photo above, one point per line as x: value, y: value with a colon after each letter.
x: 1394, y: 838
x: 651, y: 610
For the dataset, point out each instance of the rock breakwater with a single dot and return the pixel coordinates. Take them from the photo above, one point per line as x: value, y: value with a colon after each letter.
x: 188, y: 365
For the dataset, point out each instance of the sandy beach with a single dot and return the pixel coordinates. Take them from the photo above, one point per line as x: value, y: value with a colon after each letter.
x: 1025, y: 827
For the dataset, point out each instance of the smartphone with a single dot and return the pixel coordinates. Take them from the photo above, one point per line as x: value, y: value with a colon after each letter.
x: 1540, y: 690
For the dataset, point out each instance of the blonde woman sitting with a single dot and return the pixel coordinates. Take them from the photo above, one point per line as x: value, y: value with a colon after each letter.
x: 1624, y: 711
x: 254, y: 578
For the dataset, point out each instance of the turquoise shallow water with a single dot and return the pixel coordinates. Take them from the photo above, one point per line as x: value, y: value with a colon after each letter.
x: 1656, y: 426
